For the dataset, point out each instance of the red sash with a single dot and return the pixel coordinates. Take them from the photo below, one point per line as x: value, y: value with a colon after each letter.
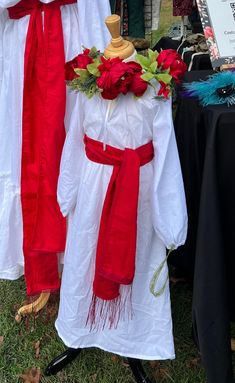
x: 116, y: 248
x: 43, y: 134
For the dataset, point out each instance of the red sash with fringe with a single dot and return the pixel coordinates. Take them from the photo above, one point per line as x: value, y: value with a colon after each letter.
x: 116, y: 248
x: 44, y: 228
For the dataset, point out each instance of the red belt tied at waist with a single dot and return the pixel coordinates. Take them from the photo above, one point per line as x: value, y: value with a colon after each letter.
x: 116, y: 248
x: 43, y: 134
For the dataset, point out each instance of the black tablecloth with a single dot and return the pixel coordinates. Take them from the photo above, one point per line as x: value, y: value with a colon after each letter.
x: 191, y: 138
x: 206, y: 139
x: 166, y: 43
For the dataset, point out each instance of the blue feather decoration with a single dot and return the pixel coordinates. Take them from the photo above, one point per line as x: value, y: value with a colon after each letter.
x: 219, y: 88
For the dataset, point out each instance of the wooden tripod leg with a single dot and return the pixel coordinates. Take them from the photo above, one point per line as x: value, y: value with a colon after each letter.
x: 33, y: 307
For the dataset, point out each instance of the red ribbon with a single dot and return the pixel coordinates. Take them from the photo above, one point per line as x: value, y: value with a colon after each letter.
x: 43, y: 134
x: 116, y: 249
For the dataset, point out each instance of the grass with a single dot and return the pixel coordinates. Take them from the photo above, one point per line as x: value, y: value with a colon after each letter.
x: 166, y: 20
x: 17, y: 351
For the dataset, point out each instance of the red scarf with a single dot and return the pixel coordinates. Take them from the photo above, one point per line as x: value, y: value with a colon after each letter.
x: 116, y: 248
x: 44, y: 228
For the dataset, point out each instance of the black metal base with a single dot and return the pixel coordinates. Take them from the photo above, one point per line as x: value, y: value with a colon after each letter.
x: 70, y: 354
x: 62, y: 361
x: 138, y: 371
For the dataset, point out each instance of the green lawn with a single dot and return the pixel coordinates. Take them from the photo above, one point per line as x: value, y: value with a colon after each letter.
x: 166, y: 20
x: 18, y: 345
x: 17, y: 350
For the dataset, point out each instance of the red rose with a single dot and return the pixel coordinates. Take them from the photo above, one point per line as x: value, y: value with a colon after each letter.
x: 138, y: 86
x: 111, y: 93
x: 178, y: 68
x: 113, y: 90
x: 164, y: 89
x: 134, y: 67
x: 86, y: 51
x: 69, y: 70
x: 104, y: 81
x: 166, y: 58
x: 81, y: 61
x: 111, y: 71
x: 124, y: 84
x: 113, y: 77
x: 119, y: 77
x: 170, y: 59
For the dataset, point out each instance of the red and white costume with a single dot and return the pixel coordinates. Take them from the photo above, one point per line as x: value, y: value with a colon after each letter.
x: 84, y: 184
x: 36, y: 38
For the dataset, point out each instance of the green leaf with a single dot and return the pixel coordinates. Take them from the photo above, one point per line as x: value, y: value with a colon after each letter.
x: 165, y: 77
x: 147, y: 76
x: 94, y: 53
x: 93, y: 50
x: 143, y: 61
x: 83, y: 73
x: 153, y: 67
x: 93, y: 69
x: 162, y: 98
x: 152, y: 55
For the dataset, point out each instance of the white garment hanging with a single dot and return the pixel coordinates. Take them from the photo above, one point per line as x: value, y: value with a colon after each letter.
x: 3, y: 17
x: 12, y: 45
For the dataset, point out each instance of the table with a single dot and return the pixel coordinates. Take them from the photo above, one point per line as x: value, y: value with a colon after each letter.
x: 206, y: 141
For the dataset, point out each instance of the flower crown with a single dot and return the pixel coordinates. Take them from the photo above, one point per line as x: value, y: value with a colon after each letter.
x: 91, y: 73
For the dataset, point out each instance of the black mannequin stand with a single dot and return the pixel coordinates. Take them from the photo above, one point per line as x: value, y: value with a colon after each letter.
x: 138, y: 371
x: 62, y: 361
x: 70, y: 354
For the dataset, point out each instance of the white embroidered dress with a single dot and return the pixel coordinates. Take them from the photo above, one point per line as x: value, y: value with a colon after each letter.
x: 75, y: 18
x: 162, y: 222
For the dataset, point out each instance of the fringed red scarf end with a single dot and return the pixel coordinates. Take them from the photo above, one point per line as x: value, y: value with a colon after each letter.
x: 108, y: 313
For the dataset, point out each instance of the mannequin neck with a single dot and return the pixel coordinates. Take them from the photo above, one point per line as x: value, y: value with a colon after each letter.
x: 131, y: 57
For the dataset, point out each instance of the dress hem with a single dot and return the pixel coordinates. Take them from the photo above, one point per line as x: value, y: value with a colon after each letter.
x: 12, y: 276
x: 126, y: 355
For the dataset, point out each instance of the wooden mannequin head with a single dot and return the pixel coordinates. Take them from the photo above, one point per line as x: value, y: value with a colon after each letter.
x: 118, y: 46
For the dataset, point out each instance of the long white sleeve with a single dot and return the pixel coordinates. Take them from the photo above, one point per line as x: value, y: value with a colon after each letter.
x: 93, y: 31
x: 69, y: 166
x: 169, y: 205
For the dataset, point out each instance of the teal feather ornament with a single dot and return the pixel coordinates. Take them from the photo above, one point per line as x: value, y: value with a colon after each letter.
x: 219, y: 88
